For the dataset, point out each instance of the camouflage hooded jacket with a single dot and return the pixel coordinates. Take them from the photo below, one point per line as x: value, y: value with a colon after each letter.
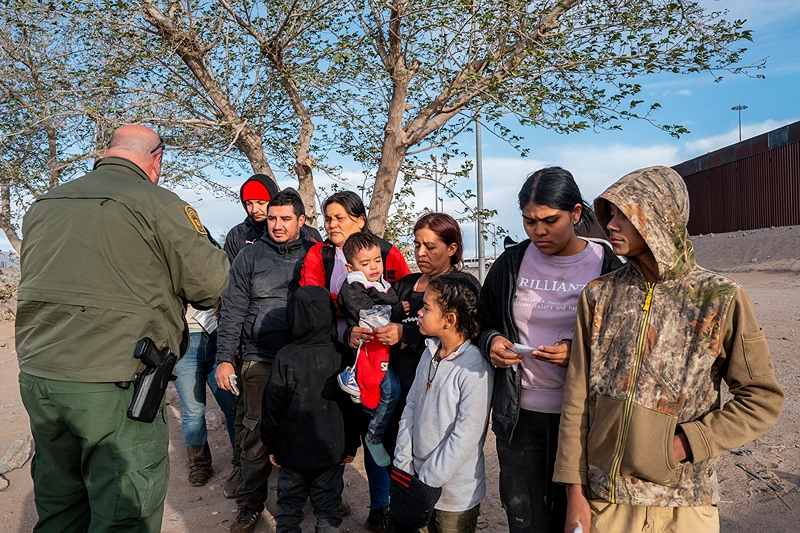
x: 647, y: 360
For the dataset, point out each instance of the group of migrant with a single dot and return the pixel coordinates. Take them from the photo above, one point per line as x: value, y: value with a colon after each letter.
x: 599, y: 362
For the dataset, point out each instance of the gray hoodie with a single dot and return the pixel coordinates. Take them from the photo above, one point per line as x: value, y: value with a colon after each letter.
x: 443, y: 428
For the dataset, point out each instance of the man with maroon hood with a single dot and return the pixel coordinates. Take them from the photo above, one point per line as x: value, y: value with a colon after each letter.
x: 255, y: 195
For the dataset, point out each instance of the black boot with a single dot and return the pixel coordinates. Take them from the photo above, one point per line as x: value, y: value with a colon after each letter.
x: 377, y: 520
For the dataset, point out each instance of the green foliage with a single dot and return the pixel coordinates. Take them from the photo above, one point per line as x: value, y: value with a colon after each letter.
x: 492, y: 56
x: 378, y: 80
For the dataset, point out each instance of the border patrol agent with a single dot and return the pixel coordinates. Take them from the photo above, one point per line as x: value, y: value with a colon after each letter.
x: 107, y: 259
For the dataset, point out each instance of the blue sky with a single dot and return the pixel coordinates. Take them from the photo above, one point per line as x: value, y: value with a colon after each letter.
x: 597, y: 159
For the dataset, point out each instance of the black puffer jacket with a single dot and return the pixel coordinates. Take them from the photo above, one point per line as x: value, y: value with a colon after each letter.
x: 253, y: 315
x: 354, y: 296
x: 307, y: 421
x: 497, y: 318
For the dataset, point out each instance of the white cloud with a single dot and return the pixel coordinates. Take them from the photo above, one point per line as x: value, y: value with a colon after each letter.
x: 694, y: 148
x: 784, y: 69
x: 594, y: 168
x: 755, y: 12
x: 679, y: 92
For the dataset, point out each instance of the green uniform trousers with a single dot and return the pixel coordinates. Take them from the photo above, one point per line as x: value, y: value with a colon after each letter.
x: 94, y: 469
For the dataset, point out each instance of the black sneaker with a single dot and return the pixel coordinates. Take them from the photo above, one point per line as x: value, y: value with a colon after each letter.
x: 377, y: 520
x: 245, y: 521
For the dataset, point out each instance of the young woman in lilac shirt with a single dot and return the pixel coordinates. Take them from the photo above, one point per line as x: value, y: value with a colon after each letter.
x: 528, y: 307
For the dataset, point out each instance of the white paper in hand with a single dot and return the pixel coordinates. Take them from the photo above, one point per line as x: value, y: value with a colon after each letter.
x: 232, y: 381
x: 522, y: 349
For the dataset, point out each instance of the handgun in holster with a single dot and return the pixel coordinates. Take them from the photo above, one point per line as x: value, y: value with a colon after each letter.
x: 150, y: 385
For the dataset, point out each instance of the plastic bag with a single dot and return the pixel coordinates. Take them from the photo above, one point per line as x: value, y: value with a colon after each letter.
x: 375, y: 317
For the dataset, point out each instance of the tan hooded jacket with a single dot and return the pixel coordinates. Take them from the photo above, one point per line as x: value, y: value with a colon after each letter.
x: 647, y: 360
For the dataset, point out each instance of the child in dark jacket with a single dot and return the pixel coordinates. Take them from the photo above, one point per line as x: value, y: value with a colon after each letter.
x: 308, y: 425
x: 367, y: 300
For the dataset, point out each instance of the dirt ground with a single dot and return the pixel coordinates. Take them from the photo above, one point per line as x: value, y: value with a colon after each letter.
x: 760, y: 482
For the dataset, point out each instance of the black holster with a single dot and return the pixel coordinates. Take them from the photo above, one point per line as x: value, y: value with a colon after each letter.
x: 150, y: 385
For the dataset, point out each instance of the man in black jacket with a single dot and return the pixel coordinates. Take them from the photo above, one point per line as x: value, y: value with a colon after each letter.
x: 255, y: 195
x: 308, y: 424
x: 253, y: 320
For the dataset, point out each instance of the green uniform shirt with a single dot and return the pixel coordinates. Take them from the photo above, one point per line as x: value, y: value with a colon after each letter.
x: 107, y: 259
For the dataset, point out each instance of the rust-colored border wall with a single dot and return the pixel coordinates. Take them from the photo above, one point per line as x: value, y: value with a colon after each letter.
x: 749, y: 185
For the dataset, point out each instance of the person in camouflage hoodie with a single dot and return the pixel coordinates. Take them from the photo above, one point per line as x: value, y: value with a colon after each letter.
x: 641, y: 419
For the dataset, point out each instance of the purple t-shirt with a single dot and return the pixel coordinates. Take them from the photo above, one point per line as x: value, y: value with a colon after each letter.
x: 545, y: 307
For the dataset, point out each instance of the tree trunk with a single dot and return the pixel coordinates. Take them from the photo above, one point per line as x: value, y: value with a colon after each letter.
x: 392, y: 155
x: 393, y: 152
x: 5, y: 216
x: 304, y: 161
x: 395, y: 138
x: 250, y: 145
x: 304, y: 165
x: 308, y: 192
x: 304, y: 168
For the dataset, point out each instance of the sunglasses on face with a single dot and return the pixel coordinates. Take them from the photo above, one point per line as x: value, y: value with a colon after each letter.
x: 159, y: 147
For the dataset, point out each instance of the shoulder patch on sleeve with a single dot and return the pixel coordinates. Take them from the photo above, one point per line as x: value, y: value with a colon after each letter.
x: 194, y: 218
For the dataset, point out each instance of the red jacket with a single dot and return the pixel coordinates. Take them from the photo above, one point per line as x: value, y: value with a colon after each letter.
x: 319, y: 261
x: 317, y: 270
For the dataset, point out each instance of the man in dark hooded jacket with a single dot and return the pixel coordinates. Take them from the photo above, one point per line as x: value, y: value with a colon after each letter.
x: 255, y: 195
x: 308, y: 424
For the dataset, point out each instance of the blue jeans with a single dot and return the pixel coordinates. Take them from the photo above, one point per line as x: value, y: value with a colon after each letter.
x: 381, y: 416
x: 194, y: 370
x: 378, y: 479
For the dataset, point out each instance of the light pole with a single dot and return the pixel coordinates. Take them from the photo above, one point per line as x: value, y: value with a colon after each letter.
x: 479, y: 176
x: 739, y: 108
x: 435, y: 185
